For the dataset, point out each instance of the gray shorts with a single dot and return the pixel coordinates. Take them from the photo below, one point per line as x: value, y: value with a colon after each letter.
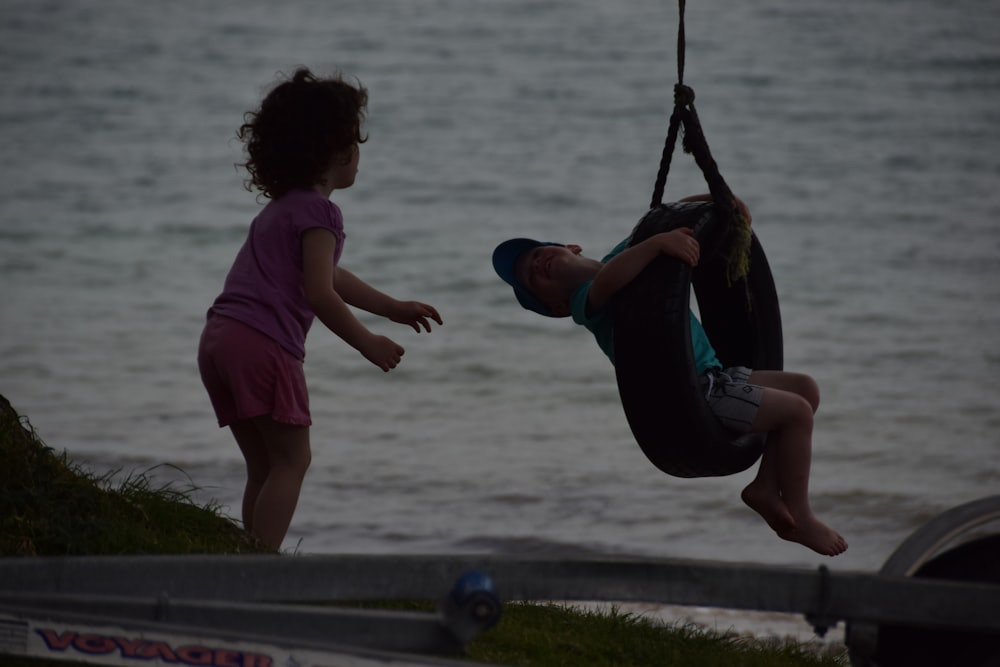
x: 731, y: 398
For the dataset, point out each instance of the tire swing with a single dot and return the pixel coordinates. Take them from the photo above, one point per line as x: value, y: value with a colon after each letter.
x: 663, y: 399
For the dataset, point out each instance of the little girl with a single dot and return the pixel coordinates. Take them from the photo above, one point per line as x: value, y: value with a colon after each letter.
x: 301, y: 145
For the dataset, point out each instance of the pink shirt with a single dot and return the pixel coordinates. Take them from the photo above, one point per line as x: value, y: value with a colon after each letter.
x: 265, y: 287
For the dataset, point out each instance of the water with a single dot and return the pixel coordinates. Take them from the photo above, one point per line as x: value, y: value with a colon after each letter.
x: 862, y: 135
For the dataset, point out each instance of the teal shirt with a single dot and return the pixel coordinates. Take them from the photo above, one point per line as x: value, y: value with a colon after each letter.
x: 601, y: 324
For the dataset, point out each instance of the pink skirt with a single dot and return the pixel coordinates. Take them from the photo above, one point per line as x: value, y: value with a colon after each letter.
x: 248, y: 374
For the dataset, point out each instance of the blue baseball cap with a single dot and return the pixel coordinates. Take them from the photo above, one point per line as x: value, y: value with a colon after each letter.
x: 505, y: 258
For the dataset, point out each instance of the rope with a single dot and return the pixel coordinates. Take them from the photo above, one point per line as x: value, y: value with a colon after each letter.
x: 737, y: 244
x: 682, y: 4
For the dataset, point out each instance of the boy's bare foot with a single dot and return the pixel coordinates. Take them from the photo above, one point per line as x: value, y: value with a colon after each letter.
x: 769, y: 505
x: 816, y: 535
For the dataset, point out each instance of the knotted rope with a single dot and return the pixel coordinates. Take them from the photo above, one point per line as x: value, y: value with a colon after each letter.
x: 736, y: 246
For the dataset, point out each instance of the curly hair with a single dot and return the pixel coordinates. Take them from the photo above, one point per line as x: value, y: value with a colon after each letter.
x: 301, y: 127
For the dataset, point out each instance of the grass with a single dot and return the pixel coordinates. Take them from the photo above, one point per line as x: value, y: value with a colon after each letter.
x: 532, y: 634
x: 554, y: 635
x: 52, y: 507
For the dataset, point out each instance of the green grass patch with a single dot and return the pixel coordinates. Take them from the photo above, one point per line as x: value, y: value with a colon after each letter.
x: 532, y: 634
x: 549, y: 635
x: 52, y: 507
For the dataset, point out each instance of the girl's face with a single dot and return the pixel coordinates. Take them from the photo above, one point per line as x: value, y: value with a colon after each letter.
x: 342, y: 172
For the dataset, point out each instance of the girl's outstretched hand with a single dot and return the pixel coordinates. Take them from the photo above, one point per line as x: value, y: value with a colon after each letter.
x: 415, y: 314
x: 382, y: 351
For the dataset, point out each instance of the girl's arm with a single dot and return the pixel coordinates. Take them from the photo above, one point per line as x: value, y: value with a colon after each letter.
x: 361, y: 295
x: 318, y: 246
x: 627, y: 264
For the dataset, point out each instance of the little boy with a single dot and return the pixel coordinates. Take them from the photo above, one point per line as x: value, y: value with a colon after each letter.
x: 557, y: 280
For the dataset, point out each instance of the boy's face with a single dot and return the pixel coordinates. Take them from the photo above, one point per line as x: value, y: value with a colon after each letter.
x: 552, y: 273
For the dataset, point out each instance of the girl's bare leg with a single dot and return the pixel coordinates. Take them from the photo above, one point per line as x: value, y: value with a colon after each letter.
x: 251, y: 443
x: 277, y: 456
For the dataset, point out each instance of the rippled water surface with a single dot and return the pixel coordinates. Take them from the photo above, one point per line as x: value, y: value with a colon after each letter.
x: 862, y: 135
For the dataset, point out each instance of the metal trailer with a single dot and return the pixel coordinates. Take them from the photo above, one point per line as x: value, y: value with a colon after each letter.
x: 119, y: 628
x: 935, y: 602
x: 959, y: 545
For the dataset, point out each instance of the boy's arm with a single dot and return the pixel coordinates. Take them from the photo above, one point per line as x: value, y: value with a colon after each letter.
x: 704, y: 197
x: 744, y: 210
x: 626, y: 265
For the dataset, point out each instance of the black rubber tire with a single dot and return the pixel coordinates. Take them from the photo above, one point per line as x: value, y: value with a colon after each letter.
x: 654, y: 364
